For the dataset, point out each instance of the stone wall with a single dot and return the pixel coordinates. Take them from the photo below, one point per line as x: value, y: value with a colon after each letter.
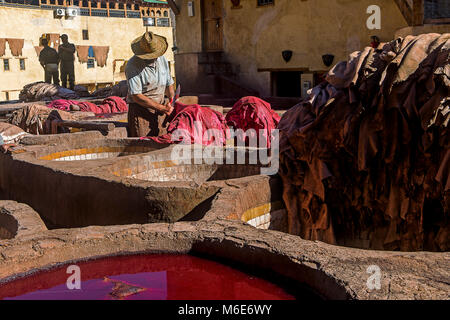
x: 31, y: 24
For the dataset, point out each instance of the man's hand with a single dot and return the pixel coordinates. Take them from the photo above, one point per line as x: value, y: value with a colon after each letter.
x: 149, y: 103
x: 169, y: 109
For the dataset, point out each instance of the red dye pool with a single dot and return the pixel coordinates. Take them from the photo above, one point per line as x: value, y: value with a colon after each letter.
x: 145, y: 277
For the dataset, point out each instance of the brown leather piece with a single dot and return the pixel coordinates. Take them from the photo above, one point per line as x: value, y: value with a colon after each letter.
x: 82, y: 52
x: 365, y: 159
x: 38, y: 49
x: 2, y: 46
x: 16, y: 46
x: 54, y: 40
x: 101, y: 54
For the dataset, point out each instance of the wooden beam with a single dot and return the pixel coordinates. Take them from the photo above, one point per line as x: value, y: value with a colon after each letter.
x: 418, y: 12
x: 173, y: 6
x: 406, y: 10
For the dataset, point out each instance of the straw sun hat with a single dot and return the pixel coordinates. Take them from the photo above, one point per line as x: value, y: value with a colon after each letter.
x: 149, y: 46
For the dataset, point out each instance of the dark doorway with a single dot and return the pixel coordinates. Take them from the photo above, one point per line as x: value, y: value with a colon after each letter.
x: 287, y: 84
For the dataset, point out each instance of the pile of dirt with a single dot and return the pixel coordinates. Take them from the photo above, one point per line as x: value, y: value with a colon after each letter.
x: 365, y: 159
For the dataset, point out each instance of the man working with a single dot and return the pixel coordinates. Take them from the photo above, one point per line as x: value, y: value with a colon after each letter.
x: 66, y: 55
x: 49, y: 60
x: 149, y: 79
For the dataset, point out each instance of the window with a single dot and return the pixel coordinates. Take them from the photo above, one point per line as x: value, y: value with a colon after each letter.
x: 265, y: 2
x: 76, y: 2
x: 163, y: 22
x: 91, y: 63
x: 158, y: 13
x: 85, y: 3
x: 149, y: 22
x: 121, y: 6
x: 166, y: 14
x: 437, y: 9
x: 6, y: 64
x: 103, y: 5
x: 22, y: 64
x: 85, y: 34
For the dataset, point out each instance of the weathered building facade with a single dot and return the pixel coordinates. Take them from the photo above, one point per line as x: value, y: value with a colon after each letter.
x: 96, y: 26
x: 282, y: 47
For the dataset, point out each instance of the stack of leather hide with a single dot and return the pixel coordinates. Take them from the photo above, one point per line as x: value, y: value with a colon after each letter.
x: 365, y: 159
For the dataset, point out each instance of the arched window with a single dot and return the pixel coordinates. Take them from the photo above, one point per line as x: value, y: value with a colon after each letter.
x: 152, y: 13
x: 166, y: 14
x: 158, y: 13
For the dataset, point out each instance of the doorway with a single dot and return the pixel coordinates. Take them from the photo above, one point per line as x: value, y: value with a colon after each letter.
x: 287, y: 84
x: 212, y: 25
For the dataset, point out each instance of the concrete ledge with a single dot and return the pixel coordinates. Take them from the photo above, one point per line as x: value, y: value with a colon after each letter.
x: 18, y: 220
x: 333, y: 272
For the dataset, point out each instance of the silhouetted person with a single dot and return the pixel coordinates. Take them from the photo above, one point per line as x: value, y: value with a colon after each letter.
x: 66, y: 56
x: 49, y: 60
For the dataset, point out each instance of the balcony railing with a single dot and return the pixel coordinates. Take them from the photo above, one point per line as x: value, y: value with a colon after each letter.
x: 84, y: 11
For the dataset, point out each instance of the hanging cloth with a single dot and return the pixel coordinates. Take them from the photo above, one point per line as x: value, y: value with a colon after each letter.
x: 16, y: 46
x: 101, y: 55
x: 2, y: 46
x: 82, y: 52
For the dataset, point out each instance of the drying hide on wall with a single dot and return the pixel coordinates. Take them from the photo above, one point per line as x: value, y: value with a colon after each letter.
x: 101, y: 55
x: 16, y: 46
x: 2, y: 46
x: 82, y: 52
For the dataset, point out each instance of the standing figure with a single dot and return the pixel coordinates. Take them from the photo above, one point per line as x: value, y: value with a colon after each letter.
x: 49, y: 61
x: 149, y: 81
x: 66, y: 55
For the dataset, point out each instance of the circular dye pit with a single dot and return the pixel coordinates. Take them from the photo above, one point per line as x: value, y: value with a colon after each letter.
x: 166, y: 171
x: 145, y: 277
x: 95, y: 153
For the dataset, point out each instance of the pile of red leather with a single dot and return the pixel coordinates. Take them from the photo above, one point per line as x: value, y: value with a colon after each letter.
x: 255, y: 117
x: 202, y: 125
x: 191, y: 124
x: 109, y: 105
x: 365, y: 159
